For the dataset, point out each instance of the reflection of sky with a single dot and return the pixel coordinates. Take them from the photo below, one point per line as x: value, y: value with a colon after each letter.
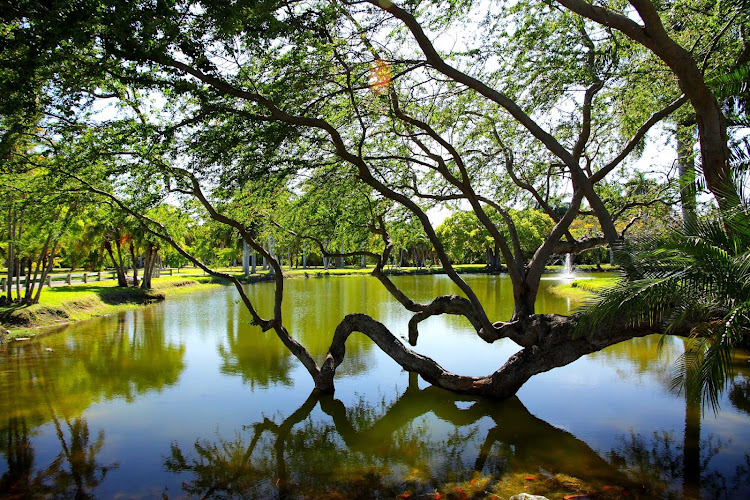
x: 598, y: 398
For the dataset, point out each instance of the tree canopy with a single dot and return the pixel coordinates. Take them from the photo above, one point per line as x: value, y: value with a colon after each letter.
x: 346, y: 125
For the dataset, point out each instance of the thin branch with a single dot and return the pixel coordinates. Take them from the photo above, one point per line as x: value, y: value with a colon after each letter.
x: 640, y: 133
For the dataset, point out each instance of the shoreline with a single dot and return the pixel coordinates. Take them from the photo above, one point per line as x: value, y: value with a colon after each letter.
x: 61, y: 306
x: 65, y: 305
x: 582, y: 290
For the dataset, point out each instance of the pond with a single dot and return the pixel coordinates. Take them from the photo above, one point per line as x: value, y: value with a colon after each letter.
x: 187, y: 399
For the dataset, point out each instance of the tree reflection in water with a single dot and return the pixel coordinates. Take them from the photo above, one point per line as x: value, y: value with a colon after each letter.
x: 681, y: 470
x: 368, y: 451
x: 41, y: 387
x: 364, y: 451
x: 669, y: 468
x: 659, y: 462
x: 739, y: 395
x: 73, y: 473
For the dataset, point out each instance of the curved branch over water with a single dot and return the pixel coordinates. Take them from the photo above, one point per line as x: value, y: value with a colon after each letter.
x: 548, y: 342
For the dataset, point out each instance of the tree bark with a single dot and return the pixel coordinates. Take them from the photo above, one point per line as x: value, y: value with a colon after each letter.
x: 28, y: 283
x: 30, y: 297
x: 687, y: 178
x: 245, y: 259
x: 149, y: 263
x: 17, y: 265
x: 547, y: 339
x: 10, y: 257
x: 45, y: 272
x: 271, y: 252
x: 524, y: 299
x: 135, y: 263
x: 117, y: 264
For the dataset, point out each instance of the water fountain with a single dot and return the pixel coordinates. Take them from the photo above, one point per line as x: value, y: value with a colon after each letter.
x: 568, y: 271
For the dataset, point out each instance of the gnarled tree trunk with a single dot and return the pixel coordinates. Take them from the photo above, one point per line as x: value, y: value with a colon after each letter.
x: 548, y: 342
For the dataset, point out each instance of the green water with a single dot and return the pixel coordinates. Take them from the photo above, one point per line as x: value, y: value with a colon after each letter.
x: 187, y: 399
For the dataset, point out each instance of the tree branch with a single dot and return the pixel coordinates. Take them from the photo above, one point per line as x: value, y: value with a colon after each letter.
x: 638, y: 136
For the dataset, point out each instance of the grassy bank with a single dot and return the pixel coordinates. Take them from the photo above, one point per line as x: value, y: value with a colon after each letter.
x: 315, y: 272
x: 582, y: 289
x: 80, y: 302
x: 312, y: 272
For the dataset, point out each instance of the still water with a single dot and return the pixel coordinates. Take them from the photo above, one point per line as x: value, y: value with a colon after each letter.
x: 188, y: 399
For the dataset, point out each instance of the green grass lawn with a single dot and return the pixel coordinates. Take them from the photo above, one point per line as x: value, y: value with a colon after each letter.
x: 583, y: 289
x: 83, y: 301
x: 294, y: 272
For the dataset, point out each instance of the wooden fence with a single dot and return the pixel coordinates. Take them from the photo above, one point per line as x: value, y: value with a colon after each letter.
x: 73, y: 278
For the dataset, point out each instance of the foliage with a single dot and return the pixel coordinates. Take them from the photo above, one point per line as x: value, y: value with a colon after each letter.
x: 468, y: 241
x: 694, y: 282
x: 264, y: 113
x: 464, y: 237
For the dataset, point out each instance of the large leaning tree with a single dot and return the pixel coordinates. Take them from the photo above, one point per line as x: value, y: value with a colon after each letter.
x: 354, y: 112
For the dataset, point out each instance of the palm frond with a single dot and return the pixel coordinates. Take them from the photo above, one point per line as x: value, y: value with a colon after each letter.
x: 734, y: 83
x: 695, y: 282
x: 734, y: 89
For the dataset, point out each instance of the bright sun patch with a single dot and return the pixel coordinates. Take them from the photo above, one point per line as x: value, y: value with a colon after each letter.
x: 380, y: 76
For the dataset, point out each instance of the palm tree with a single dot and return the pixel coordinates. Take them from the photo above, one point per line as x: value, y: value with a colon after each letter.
x: 695, y: 282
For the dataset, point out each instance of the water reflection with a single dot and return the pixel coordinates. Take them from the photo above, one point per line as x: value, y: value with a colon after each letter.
x: 51, y: 383
x: 680, y: 469
x: 364, y: 451
x: 672, y: 470
x: 739, y: 395
x: 132, y: 359
x: 74, y: 473
x: 114, y: 358
x: 258, y: 357
x: 195, y: 367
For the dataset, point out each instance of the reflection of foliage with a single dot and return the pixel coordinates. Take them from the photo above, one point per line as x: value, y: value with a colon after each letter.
x: 661, y: 464
x: 743, y: 474
x: 84, y: 473
x: 134, y: 362
x: 55, y: 384
x: 19, y: 481
x: 739, y: 395
x: 74, y: 473
x: 106, y: 359
x: 258, y: 357
x: 650, y: 355
x: 739, y: 392
x: 221, y: 470
x: 654, y: 462
x: 278, y: 457
x: 454, y: 451
x: 387, y: 450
